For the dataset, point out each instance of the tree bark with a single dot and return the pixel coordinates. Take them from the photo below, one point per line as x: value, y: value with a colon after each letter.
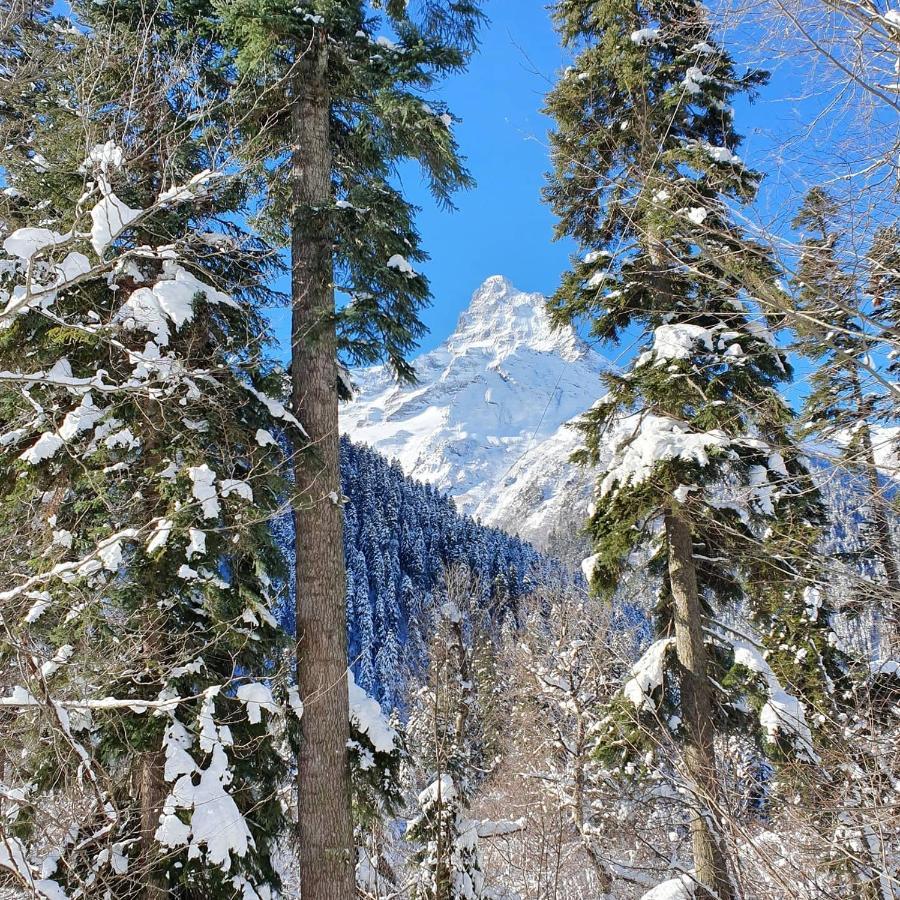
x: 696, y: 703
x: 325, y: 830
x: 465, y: 699
x: 151, y: 791
x: 150, y: 788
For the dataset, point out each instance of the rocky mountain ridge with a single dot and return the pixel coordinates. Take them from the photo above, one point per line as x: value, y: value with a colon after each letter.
x: 489, y: 420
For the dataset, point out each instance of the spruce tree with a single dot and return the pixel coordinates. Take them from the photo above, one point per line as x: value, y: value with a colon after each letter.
x: 840, y: 331
x: 328, y: 107
x: 449, y: 863
x: 694, y: 439
x: 139, y: 468
x: 443, y: 731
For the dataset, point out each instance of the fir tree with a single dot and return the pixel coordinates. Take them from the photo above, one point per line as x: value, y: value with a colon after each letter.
x: 354, y: 110
x: 139, y: 414
x: 646, y: 171
x: 445, y: 728
x: 376, y: 753
x: 449, y: 864
x: 318, y: 78
x: 848, y: 398
x: 842, y: 322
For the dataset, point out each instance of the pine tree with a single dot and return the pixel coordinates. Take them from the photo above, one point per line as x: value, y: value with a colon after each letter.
x: 848, y: 398
x: 701, y: 462
x: 316, y: 77
x: 355, y: 110
x: 139, y: 421
x: 443, y: 731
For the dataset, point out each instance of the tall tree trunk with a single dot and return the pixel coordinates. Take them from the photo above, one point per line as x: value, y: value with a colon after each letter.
x: 151, y: 790
x: 696, y: 704
x: 466, y: 693
x: 149, y: 783
x: 325, y: 830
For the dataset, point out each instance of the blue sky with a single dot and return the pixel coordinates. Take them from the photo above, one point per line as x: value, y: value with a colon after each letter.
x: 501, y: 226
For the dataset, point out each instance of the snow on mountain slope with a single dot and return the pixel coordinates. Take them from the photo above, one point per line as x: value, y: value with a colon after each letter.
x: 487, y: 420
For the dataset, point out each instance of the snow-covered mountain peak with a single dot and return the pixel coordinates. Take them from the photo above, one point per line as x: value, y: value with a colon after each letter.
x: 486, y: 421
x: 502, y: 317
x: 492, y: 303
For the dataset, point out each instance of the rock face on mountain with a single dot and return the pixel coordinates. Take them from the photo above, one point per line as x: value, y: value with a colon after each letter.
x: 487, y: 420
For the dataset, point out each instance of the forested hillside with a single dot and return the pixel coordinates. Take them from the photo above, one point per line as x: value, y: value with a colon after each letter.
x: 400, y: 537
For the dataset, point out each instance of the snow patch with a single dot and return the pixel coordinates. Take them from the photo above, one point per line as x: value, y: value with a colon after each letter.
x: 82, y: 418
x: 44, y: 448
x: 401, y: 264
x: 26, y: 242
x: 655, y: 439
x: 722, y: 155
x: 678, y: 341
x: 681, y: 888
x: 257, y: 696
x: 196, y: 544
x: 644, y: 36
x: 215, y: 822
x: 694, y: 79
x: 697, y: 214
x: 442, y: 787
x: 782, y: 712
x: 105, y: 157
x: 204, y: 490
x: 647, y: 674
x: 229, y: 486
x: 13, y: 858
x: 180, y: 193
x: 275, y: 407
x: 885, y: 667
x: 588, y: 565
x: 109, y: 218
x: 366, y: 714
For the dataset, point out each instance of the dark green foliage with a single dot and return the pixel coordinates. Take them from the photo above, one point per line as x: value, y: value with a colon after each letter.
x: 646, y: 178
x: 253, y: 56
x: 836, y: 325
x: 144, y: 620
x: 377, y: 793
x: 843, y: 319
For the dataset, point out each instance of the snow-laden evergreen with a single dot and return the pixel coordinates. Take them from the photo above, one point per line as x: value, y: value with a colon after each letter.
x: 449, y: 865
x: 705, y: 474
x: 140, y: 649
x: 842, y: 317
x: 140, y: 657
